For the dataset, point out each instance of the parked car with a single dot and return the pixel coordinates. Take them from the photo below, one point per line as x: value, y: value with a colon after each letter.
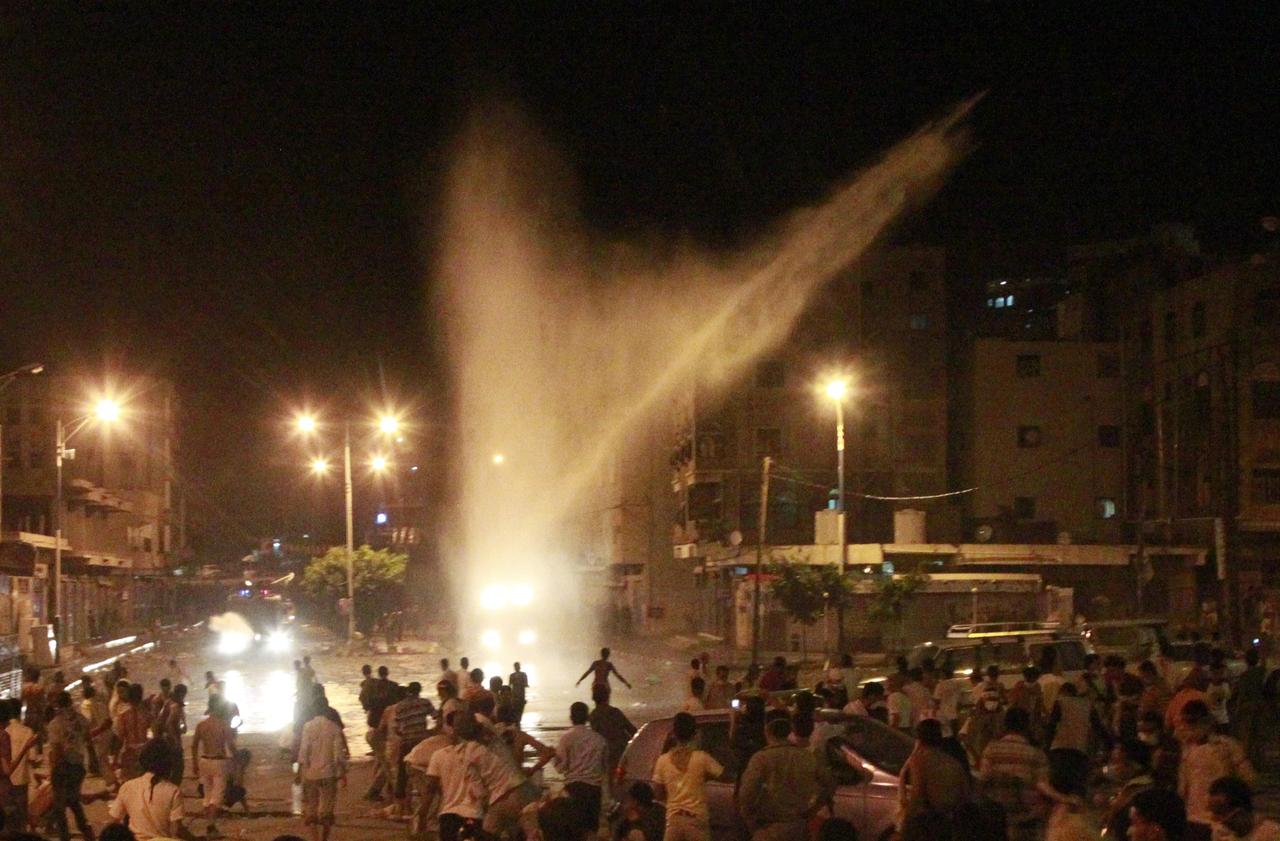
x: 866, y: 761
x: 1133, y: 639
x: 1011, y: 652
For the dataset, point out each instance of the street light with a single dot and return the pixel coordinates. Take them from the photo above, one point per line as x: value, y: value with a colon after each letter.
x: 6, y: 380
x: 307, y: 424
x: 837, y: 389
x: 105, y: 411
x: 499, y: 458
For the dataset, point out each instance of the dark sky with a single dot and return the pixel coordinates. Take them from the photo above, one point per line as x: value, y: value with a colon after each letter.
x: 239, y: 197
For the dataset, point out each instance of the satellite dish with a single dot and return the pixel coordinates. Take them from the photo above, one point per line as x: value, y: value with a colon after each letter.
x: 983, y: 533
x: 735, y: 538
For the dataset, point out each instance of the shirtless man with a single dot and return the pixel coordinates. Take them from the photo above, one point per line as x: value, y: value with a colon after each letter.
x: 212, y: 747
x: 602, y: 668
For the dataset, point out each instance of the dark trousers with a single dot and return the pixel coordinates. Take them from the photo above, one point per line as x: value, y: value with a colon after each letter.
x: 589, y: 797
x: 15, y: 810
x: 66, y: 781
x: 451, y: 826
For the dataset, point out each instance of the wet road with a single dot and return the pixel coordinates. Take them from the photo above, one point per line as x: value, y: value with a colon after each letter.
x: 263, y: 684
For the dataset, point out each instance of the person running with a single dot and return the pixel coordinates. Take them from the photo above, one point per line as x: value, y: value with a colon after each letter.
x: 519, y: 683
x: 600, y: 671
x: 449, y: 702
x: 1231, y: 804
x: 156, y: 700
x: 510, y: 744
x: 781, y: 787
x: 151, y: 804
x: 466, y: 776
x: 322, y: 764
x: 408, y: 727
x: 68, y: 736
x: 581, y: 755
x: 611, y: 723
x: 176, y: 674
x: 94, y: 709
x: 681, y: 774
x: 212, y: 747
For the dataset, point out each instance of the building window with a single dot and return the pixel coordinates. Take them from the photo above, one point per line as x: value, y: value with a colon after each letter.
x: 771, y: 373
x: 1199, y: 322
x: 919, y: 321
x: 1000, y: 302
x: 1266, y: 486
x: 768, y: 441
x: 710, y: 445
x: 1108, y: 366
x: 1266, y: 399
x: 1105, y: 507
x: 1024, y: 507
x: 1028, y: 365
x: 1028, y: 436
x: 917, y: 281
x: 1170, y: 327
x: 1108, y: 436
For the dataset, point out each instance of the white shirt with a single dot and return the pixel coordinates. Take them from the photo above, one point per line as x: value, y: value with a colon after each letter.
x: 947, y: 696
x: 420, y: 756
x: 919, y: 695
x: 19, y: 735
x: 151, y: 811
x: 900, y: 710
x: 685, y: 788
x: 322, y: 754
x: 470, y: 776
x: 580, y: 755
x: 1200, y: 766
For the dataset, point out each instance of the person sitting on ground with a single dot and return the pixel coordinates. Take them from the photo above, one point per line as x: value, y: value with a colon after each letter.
x: 151, y: 804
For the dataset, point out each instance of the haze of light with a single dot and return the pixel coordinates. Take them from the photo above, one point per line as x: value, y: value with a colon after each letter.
x: 562, y: 345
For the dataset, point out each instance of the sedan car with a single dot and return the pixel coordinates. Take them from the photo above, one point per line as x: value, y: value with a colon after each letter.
x: 865, y: 757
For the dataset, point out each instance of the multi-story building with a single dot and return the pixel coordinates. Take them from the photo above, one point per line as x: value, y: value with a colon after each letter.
x: 1040, y: 440
x: 883, y: 324
x: 121, y: 521
x: 1203, y: 387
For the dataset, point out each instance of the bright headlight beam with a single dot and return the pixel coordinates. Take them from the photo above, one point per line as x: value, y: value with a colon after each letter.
x: 491, y: 638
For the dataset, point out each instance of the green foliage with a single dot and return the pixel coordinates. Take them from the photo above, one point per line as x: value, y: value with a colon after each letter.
x: 806, y: 592
x: 378, y: 577
x: 892, y: 594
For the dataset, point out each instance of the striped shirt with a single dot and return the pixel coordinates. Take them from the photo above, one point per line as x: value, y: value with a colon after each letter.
x: 1010, y: 769
x: 411, y: 720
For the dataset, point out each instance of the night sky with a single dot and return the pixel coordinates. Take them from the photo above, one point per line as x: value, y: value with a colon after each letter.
x: 241, y: 199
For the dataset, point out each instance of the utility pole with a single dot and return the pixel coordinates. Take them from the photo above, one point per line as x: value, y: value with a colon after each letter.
x: 351, y: 551
x: 755, y: 604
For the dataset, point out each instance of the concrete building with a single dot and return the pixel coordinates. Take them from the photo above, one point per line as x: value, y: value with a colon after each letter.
x: 883, y: 323
x: 1040, y: 439
x: 122, y: 521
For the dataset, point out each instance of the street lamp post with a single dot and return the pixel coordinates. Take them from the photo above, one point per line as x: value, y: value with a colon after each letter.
x: 106, y: 411
x: 389, y: 425
x: 836, y: 390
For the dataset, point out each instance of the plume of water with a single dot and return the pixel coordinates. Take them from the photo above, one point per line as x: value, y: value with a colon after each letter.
x: 561, y: 345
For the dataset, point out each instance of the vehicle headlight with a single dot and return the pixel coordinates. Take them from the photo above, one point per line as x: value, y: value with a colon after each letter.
x: 232, y: 643
x: 491, y: 638
x: 527, y: 637
x: 279, y: 641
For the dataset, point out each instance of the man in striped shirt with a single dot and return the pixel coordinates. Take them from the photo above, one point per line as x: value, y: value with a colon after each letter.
x: 410, y: 727
x: 1011, y: 768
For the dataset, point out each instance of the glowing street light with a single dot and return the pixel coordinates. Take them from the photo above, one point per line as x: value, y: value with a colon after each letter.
x: 105, y: 411
x: 378, y: 464
x: 319, y: 465
x: 837, y: 389
x: 499, y: 458
x: 306, y: 423
x: 389, y: 424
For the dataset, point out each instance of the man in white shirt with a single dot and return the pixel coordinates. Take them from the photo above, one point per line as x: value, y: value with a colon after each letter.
x: 946, y: 699
x: 322, y: 763
x: 22, y: 744
x: 681, y: 774
x: 151, y: 803
x: 580, y: 756
x: 467, y: 776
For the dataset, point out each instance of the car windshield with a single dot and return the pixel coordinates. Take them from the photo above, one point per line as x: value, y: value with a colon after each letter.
x: 882, y: 746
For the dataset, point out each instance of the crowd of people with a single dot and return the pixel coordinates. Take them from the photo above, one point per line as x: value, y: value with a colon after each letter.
x: 1117, y: 751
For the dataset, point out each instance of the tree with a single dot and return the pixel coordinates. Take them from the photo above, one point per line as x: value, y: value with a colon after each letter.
x: 378, y: 577
x: 891, y: 595
x: 806, y: 593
